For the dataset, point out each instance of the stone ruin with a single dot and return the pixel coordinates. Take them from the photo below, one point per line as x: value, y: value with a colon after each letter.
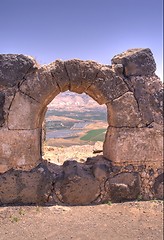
x: 131, y: 165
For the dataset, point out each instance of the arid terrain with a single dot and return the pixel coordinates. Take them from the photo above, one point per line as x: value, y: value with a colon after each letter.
x: 123, y: 221
x: 79, y: 153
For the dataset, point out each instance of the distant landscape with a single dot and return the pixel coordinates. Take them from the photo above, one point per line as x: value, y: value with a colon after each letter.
x: 75, y: 119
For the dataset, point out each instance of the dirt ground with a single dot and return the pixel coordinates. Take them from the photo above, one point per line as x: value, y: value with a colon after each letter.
x: 123, y: 221
x: 59, y: 155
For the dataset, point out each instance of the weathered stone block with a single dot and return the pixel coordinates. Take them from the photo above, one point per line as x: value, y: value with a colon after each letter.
x: 9, y: 96
x: 123, y: 111
x: 148, y: 93
x: 142, y: 97
x: 2, y: 102
x: 39, y: 86
x: 24, y: 113
x: 25, y: 186
x: 134, y: 145
x: 137, y: 61
x: 19, y: 149
x: 124, y: 186
x: 159, y: 186
x: 81, y: 74
x: 59, y: 75
x: 13, y: 67
x: 77, y: 186
x: 107, y: 86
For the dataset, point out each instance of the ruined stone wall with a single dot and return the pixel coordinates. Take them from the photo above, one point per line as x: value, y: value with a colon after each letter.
x: 131, y: 165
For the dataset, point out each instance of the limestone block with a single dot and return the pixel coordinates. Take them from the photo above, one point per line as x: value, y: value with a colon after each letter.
x: 81, y: 74
x: 77, y: 186
x: 134, y: 145
x: 19, y: 149
x: 13, y: 67
x: 39, y: 86
x: 107, y: 86
x: 137, y: 61
x: 24, y: 113
x: 158, y: 186
x: 25, y: 186
x: 123, y: 111
x: 6, y: 98
x: 59, y: 75
x: 142, y: 97
x: 124, y: 186
x: 148, y: 92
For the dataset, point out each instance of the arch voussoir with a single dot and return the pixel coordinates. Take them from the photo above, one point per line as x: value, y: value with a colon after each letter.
x: 81, y: 74
x: 107, y: 86
x: 59, y: 75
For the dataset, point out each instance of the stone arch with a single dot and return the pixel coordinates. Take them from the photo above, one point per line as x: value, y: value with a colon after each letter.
x: 125, y: 87
x: 43, y: 84
x: 40, y: 87
x: 129, y: 88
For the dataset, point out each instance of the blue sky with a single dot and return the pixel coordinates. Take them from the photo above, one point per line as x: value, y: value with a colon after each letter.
x: 85, y: 29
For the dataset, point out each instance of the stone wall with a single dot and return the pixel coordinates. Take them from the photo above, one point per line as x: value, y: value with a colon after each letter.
x: 131, y: 165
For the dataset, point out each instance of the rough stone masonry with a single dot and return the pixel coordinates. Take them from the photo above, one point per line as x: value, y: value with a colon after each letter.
x: 131, y: 165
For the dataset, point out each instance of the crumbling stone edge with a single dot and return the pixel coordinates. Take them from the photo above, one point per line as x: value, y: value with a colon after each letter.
x: 96, y: 181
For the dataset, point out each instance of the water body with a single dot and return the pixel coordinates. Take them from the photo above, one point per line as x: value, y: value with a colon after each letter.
x: 65, y: 133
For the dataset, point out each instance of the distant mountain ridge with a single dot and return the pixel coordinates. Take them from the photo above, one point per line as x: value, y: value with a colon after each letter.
x: 70, y: 101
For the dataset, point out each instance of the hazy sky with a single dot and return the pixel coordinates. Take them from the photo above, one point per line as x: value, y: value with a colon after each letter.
x: 85, y: 29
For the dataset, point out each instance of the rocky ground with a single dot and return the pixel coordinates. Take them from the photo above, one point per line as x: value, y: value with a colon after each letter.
x: 123, y: 221
x: 59, y: 155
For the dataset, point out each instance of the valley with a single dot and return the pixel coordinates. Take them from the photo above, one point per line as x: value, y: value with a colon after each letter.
x: 71, y: 122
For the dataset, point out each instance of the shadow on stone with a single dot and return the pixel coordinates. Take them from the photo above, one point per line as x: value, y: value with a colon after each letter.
x: 158, y: 187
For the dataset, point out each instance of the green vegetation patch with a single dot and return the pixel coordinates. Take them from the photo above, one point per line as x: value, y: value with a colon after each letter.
x: 94, y: 135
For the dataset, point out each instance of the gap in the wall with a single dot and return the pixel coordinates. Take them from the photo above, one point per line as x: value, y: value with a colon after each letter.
x: 75, y: 128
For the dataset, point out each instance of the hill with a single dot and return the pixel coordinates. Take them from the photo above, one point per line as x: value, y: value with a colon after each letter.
x: 70, y: 101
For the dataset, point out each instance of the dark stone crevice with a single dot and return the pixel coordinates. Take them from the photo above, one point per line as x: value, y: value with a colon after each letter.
x: 117, y: 97
x: 30, y: 70
x: 65, y: 67
x: 149, y: 125
x: 131, y: 89
x: 2, y: 113
x: 93, y: 82
x: 22, y: 129
x: 28, y: 96
x: 10, y: 108
x: 56, y: 82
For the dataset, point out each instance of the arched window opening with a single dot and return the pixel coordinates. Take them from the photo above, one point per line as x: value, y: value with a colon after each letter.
x: 75, y: 128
